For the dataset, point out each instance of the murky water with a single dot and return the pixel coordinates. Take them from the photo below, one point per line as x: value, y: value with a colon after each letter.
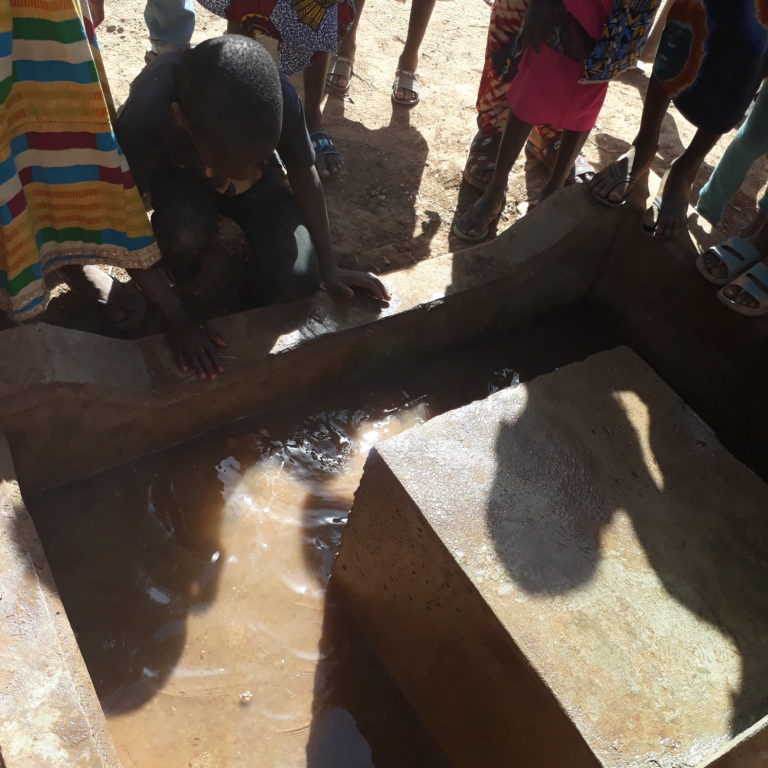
x: 195, y: 580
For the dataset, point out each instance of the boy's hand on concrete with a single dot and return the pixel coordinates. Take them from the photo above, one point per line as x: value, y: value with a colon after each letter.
x: 343, y: 282
x: 195, y: 347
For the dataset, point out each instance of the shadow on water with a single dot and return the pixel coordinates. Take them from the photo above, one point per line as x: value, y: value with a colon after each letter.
x: 145, y: 550
x: 185, y: 585
x: 708, y: 553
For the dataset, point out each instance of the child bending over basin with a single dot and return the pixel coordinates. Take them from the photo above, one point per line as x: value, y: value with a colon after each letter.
x: 208, y: 131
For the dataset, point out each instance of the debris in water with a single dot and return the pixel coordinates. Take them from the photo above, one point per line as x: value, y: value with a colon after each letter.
x: 245, y: 697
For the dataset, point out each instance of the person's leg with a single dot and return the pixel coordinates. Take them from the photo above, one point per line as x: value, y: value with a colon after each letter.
x: 348, y: 48
x: 170, y: 24
x: 421, y: 13
x: 614, y: 183
x: 749, y: 143
x: 492, y: 105
x: 328, y: 163
x: 184, y: 221
x: 571, y: 143
x: 283, y: 263
x: 473, y: 225
x: 669, y: 212
x: 652, y: 44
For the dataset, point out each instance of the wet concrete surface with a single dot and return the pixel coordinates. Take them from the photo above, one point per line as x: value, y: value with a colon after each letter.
x: 195, y: 579
x: 594, y: 588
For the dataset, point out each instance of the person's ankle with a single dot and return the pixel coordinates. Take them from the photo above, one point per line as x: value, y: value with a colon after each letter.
x: 408, y: 62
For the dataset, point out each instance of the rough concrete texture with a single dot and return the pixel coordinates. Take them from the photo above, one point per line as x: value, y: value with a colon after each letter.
x: 662, y: 307
x: 572, y: 573
x: 49, y: 713
x: 130, y: 399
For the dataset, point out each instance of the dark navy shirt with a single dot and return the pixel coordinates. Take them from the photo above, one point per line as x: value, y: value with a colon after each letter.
x: 154, y: 144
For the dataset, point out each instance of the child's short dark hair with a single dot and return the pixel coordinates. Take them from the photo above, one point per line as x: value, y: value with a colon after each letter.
x: 230, y: 94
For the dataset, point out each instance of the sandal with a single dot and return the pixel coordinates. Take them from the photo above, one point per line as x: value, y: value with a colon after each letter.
x: 736, y: 255
x: 753, y: 282
x: 472, y: 219
x: 627, y: 180
x: 342, y: 69
x: 324, y: 147
x: 406, y: 81
x: 582, y: 172
x: 544, y: 150
x: 481, y: 160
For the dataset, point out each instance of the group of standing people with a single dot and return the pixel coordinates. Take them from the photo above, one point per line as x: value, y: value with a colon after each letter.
x: 201, y: 127
x: 548, y: 63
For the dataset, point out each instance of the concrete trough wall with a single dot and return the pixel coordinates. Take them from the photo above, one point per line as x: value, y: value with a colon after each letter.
x: 73, y: 404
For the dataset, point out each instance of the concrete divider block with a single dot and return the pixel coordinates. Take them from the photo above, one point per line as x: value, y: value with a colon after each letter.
x: 569, y: 573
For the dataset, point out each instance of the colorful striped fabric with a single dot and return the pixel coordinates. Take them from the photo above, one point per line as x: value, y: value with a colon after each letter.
x: 66, y: 194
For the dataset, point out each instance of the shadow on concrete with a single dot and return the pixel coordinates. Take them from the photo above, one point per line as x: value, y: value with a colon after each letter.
x: 696, y: 547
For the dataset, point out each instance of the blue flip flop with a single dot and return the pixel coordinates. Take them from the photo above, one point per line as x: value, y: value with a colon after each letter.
x: 736, y: 254
x: 322, y: 144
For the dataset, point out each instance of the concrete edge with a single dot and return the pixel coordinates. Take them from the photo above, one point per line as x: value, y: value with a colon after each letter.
x: 748, y: 750
x: 49, y: 712
x: 130, y: 400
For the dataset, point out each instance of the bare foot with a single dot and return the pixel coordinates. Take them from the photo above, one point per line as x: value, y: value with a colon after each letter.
x: 613, y: 184
x: 669, y: 213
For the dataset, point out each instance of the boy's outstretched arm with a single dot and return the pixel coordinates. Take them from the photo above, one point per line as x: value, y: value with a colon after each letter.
x: 310, y: 198
x: 194, y: 345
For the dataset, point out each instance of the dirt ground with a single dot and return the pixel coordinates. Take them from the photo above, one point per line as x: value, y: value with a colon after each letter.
x: 395, y: 200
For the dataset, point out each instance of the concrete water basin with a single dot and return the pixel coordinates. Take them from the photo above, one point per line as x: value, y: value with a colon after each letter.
x: 190, y: 528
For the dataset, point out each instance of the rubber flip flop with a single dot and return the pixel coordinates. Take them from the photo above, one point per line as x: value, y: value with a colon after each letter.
x: 471, y: 212
x: 736, y: 254
x: 754, y: 282
x: 618, y: 179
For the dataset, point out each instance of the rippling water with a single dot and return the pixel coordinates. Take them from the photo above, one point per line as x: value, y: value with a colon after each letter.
x: 196, y: 581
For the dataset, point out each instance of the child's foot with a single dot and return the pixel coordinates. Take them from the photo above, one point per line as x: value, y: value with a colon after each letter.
x: 481, y: 161
x: 722, y: 263
x: 339, y: 75
x: 473, y: 225
x: 328, y: 161
x: 405, y: 89
x: 613, y: 185
x: 668, y: 214
x: 748, y: 294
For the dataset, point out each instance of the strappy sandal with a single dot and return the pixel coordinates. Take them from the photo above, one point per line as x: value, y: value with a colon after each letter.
x: 736, y: 255
x: 481, y: 160
x: 582, y: 172
x: 753, y: 282
x: 473, y: 219
x: 406, y: 81
x: 619, y: 179
x: 341, y: 68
